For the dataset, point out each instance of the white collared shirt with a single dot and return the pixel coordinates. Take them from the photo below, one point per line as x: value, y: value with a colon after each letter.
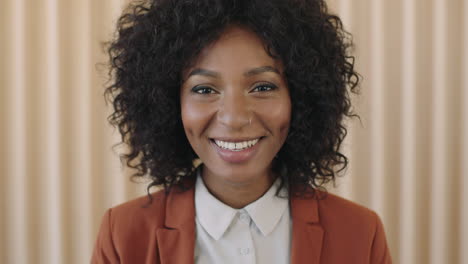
x: 258, y: 233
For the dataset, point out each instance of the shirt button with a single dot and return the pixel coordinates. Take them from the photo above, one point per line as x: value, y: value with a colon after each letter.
x: 243, y: 251
x: 244, y: 217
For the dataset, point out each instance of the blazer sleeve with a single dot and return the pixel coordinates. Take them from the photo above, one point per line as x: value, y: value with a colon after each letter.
x: 380, y: 253
x: 104, y: 250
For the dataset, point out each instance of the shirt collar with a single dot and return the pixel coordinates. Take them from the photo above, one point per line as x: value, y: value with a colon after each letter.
x: 265, y: 212
x: 214, y: 216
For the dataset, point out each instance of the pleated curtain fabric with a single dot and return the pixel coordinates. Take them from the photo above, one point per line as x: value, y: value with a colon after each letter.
x: 408, y: 155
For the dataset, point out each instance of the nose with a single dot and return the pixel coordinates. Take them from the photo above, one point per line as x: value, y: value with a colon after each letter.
x: 234, y: 111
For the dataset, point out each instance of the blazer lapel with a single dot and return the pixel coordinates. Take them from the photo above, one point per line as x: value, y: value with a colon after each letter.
x: 307, y: 234
x: 177, y: 239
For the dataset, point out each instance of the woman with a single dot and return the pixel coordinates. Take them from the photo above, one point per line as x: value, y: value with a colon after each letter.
x: 236, y: 108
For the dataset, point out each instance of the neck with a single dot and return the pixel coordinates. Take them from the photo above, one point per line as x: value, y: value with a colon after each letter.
x: 238, y: 194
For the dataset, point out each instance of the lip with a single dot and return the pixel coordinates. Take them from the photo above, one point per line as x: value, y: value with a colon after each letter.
x: 227, y: 139
x: 236, y: 156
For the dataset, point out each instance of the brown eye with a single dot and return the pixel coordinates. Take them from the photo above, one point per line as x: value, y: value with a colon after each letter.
x: 203, y: 90
x: 264, y: 88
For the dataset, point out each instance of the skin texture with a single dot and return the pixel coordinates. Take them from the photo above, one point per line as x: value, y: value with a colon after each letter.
x: 231, y: 105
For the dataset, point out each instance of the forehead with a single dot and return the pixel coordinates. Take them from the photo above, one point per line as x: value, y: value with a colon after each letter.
x: 236, y: 50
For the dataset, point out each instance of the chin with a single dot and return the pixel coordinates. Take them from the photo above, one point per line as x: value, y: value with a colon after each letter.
x: 239, y: 173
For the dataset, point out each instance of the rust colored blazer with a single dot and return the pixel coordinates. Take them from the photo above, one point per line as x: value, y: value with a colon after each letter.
x: 329, y: 231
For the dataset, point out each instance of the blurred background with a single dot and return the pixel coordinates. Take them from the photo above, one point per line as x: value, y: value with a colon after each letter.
x: 409, y: 155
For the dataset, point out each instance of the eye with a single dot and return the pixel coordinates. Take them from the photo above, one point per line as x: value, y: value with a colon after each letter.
x: 264, y: 87
x: 203, y: 90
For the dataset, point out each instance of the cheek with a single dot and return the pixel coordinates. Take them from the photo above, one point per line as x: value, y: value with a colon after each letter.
x: 189, y: 118
x: 283, y: 116
x: 194, y: 117
x: 279, y: 116
x: 276, y: 116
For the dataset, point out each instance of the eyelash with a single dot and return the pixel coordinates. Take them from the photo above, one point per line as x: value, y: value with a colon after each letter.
x: 270, y: 86
x: 197, y: 89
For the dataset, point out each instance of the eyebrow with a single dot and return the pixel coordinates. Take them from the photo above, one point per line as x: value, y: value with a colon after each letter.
x: 248, y: 73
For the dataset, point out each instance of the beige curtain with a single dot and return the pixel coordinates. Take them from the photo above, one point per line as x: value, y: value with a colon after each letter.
x: 409, y: 156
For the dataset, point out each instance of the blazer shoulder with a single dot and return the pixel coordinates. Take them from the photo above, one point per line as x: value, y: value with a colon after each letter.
x: 341, y: 207
x: 347, y: 217
x: 142, y: 202
x: 350, y: 224
x: 127, y: 230
x: 139, y: 212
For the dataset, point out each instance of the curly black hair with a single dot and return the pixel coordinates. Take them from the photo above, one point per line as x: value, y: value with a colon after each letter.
x: 158, y: 39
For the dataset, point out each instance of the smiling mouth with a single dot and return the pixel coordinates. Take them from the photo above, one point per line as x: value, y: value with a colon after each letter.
x: 235, y: 145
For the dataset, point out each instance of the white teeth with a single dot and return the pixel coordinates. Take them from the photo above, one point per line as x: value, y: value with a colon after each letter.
x: 236, y: 146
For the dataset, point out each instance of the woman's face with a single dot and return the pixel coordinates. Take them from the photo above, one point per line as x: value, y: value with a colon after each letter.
x: 236, y: 107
